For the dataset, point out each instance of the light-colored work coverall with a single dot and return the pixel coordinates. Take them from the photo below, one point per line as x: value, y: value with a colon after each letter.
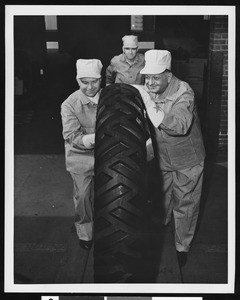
x: 181, y: 154
x: 79, y: 118
x: 120, y: 70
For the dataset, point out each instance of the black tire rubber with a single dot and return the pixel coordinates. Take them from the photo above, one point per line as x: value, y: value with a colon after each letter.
x: 120, y: 203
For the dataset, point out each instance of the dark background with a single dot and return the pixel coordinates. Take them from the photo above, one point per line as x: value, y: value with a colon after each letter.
x: 187, y: 37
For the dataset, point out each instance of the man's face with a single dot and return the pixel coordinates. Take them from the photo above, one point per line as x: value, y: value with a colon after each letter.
x: 89, y: 86
x: 157, y: 83
x: 130, y: 52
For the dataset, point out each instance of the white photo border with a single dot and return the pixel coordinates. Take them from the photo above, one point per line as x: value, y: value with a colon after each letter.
x: 27, y: 10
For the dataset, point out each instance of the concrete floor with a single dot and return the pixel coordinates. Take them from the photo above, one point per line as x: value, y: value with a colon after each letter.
x: 46, y: 249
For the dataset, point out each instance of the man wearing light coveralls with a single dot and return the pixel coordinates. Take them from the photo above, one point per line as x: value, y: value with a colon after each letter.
x: 78, y: 119
x: 180, y: 151
x: 125, y: 68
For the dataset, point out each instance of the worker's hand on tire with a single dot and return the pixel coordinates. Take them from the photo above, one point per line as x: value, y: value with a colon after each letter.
x: 155, y: 113
x: 148, y: 102
x: 89, y: 140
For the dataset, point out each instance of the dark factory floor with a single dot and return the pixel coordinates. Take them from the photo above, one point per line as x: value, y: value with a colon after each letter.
x: 46, y: 250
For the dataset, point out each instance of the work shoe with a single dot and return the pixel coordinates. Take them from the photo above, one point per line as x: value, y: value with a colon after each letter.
x: 182, y: 258
x: 86, y: 245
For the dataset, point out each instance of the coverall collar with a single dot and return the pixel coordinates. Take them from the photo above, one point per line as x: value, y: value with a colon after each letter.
x: 84, y: 99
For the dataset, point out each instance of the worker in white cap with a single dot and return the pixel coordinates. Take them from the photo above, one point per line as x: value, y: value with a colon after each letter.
x: 125, y: 68
x: 180, y: 151
x: 78, y: 119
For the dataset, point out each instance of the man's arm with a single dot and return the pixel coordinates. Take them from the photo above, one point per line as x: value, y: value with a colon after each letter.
x: 155, y: 114
x: 175, y: 122
x: 179, y: 119
x: 73, y: 132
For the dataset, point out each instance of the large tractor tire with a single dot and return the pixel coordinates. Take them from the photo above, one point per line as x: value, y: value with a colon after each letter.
x: 120, y: 204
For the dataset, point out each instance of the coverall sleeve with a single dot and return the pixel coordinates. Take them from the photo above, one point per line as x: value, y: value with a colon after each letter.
x: 72, y: 132
x: 179, y: 119
x: 110, y: 73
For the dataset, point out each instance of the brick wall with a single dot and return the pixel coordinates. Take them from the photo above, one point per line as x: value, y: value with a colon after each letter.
x: 219, y: 42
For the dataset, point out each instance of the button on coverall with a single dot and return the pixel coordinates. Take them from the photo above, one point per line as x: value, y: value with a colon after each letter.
x: 79, y: 118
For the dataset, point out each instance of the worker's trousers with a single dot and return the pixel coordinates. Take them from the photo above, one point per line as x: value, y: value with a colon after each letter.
x: 83, y: 195
x: 182, y: 193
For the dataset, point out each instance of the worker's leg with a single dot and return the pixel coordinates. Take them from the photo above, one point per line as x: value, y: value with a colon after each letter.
x: 83, y: 193
x: 187, y: 187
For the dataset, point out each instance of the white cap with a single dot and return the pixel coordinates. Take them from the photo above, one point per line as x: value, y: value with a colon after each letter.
x: 130, y: 41
x: 89, y: 68
x: 156, y: 61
